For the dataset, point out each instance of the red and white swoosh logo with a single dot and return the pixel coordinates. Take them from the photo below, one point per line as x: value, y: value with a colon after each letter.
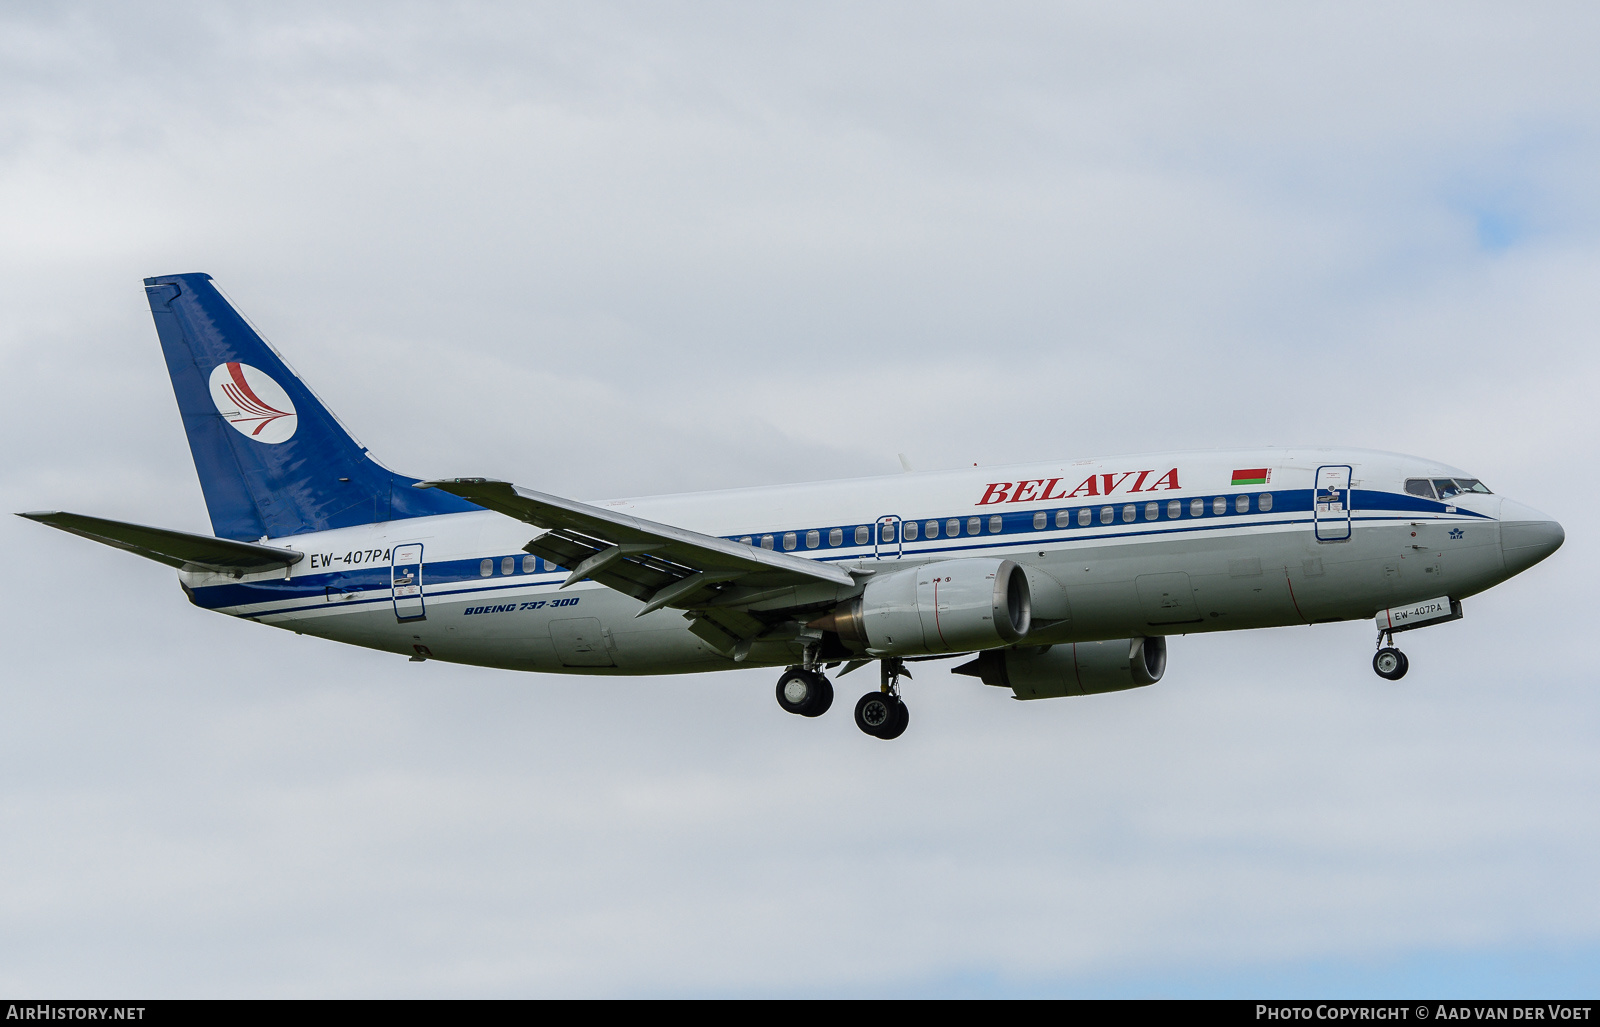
x: 252, y: 402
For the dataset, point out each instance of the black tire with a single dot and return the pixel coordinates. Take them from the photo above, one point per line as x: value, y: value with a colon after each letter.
x: 1390, y: 664
x: 897, y: 726
x: 875, y: 712
x: 824, y: 698
x: 882, y: 715
x: 798, y: 691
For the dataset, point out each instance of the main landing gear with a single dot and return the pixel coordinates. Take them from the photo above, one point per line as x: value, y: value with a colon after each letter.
x: 1389, y: 663
x: 805, y: 691
x: 883, y: 714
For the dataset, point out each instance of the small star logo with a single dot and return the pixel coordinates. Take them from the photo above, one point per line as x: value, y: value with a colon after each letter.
x: 1457, y: 533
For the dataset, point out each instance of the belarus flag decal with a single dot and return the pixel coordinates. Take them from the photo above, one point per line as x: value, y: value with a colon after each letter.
x: 1252, y: 476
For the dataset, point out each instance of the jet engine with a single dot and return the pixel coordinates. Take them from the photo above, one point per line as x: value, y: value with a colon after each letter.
x: 1074, y: 668
x: 951, y: 606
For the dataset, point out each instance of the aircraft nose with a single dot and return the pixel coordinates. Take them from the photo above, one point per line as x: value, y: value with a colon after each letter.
x: 1527, y: 536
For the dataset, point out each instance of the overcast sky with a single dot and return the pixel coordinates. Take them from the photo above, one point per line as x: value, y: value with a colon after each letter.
x: 611, y: 249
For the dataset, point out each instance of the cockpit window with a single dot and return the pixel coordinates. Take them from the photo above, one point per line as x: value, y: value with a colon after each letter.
x: 1419, y: 487
x: 1455, y: 486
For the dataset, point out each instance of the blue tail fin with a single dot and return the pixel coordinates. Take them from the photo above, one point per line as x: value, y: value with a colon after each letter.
x: 272, y: 460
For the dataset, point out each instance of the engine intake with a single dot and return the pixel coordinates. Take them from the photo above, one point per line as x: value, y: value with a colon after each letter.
x: 1074, y: 668
x: 951, y: 606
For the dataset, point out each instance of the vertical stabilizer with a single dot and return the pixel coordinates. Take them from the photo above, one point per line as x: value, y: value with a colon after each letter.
x: 272, y: 460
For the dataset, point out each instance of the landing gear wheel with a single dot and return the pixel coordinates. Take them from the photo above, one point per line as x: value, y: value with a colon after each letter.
x: 1390, y: 663
x: 804, y: 692
x: 902, y: 717
x: 824, y: 697
x: 882, y: 715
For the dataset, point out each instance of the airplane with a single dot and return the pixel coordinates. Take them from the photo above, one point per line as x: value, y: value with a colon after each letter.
x: 1051, y: 580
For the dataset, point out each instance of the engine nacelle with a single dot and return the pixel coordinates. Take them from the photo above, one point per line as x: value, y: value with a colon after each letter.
x: 951, y: 606
x: 1073, y: 668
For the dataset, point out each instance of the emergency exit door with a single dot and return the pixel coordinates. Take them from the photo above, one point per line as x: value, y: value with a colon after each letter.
x: 405, y: 579
x: 886, y: 542
x: 1331, y: 503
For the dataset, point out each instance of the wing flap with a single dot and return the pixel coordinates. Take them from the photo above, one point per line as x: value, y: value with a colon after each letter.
x: 178, y: 549
x: 636, y: 575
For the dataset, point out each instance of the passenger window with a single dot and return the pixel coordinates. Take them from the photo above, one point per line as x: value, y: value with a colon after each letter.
x: 528, y: 564
x: 974, y: 525
x: 1174, y: 509
x: 1063, y: 518
x: 1264, y: 502
x: 1084, y: 516
x: 813, y: 539
x: 1197, y: 507
x: 1129, y: 512
x: 931, y: 529
x: 508, y: 565
x: 1152, y: 511
x: 909, y: 531
x: 1040, y: 520
x: 1241, y: 504
x: 1219, y: 505
x: 863, y: 534
x: 1419, y: 487
x: 835, y: 536
x: 747, y: 540
x: 1107, y: 514
x: 486, y: 568
x: 886, y: 532
x: 952, y: 528
x: 766, y: 541
x: 789, y: 541
x: 995, y: 524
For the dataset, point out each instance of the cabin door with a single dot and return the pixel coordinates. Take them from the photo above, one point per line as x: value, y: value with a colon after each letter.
x: 1331, y: 503
x: 405, y: 578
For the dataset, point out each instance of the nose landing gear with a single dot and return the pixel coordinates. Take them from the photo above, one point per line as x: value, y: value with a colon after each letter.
x: 883, y: 714
x: 1389, y: 663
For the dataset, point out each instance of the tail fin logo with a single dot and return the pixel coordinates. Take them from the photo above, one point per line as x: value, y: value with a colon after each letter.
x: 252, y: 402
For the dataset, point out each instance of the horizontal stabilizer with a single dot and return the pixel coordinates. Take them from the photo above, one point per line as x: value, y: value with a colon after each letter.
x: 174, y: 548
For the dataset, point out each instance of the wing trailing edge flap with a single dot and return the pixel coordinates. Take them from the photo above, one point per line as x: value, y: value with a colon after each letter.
x: 178, y: 549
x: 658, y: 564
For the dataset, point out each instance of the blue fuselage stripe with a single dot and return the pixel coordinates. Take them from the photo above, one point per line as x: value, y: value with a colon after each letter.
x: 323, y: 591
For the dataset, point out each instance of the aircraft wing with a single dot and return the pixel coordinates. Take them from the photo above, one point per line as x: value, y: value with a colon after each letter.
x: 174, y: 548
x: 656, y: 563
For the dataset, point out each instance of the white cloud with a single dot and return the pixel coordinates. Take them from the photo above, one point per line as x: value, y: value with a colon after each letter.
x: 618, y: 250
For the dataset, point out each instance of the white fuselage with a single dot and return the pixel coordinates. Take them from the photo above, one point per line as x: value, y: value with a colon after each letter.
x: 1127, y: 546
